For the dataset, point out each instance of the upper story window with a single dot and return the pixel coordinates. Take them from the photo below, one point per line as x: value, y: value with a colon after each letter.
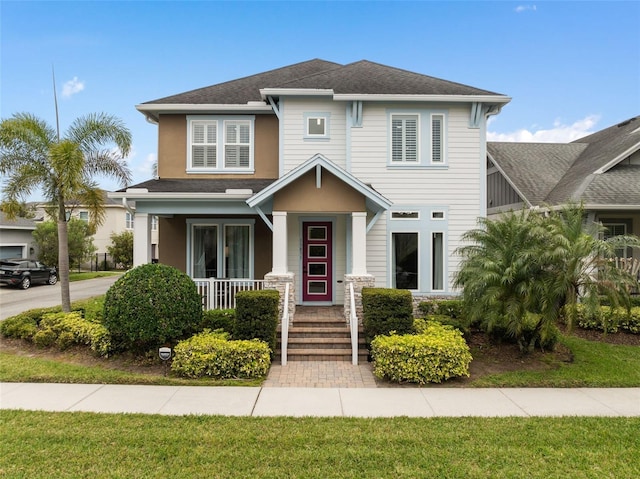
x: 129, y: 221
x: 404, y: 138
x: 316, y: 126
x: 84, y: 216
x: 417, y: 138
x: 220, y: 144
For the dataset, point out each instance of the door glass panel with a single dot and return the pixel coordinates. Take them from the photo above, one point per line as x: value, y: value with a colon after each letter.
x: 317, y: 269
x: 405, y: 260
x: 437, y: 261
x: 317, y: 287
x: 236, y: 251
x: 317, y: 233
x: 317, y: 251
x: 205, y: 251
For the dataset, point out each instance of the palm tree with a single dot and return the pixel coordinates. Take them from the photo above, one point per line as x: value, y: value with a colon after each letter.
x: 32, y: 156
x: 583, y: 264
x: 502, y: 278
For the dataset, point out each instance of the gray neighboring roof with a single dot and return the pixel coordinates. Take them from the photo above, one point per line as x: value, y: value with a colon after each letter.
x: 585, y: 169
x: 17, y: 223
x: 200, y: 185
x: 534, y: 168
x: 362, y: 77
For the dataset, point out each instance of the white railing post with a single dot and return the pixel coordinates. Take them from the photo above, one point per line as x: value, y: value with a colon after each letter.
x: 353, y: 325
x: 221, y: 293
x: 284, y: 327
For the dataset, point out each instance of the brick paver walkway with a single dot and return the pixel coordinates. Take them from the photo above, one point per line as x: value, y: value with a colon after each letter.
x: 321, y: 374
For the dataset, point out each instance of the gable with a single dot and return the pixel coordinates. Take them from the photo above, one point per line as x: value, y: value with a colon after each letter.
x: 324, y: 194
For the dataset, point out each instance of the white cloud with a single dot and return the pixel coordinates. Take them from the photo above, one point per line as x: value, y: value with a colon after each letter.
x: 524, y: 8
x: 146, y: 167
x: 560, y: 133
x: 72, y: 87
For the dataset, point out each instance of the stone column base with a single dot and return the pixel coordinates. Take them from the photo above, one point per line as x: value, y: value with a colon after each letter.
x: 279, y: 282
x: 358, y: 282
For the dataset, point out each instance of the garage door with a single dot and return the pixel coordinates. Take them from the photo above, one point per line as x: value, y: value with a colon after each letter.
x: 10, y: 252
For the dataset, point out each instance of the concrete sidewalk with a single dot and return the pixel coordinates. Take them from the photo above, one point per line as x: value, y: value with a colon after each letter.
x: 321, y: 402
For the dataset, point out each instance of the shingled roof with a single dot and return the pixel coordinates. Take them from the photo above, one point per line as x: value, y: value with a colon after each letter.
x: 591, y: 169
x: 362, y: 77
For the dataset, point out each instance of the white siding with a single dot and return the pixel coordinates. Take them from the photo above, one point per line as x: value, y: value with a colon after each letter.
x: 296, y: 148
x: 458, y: 186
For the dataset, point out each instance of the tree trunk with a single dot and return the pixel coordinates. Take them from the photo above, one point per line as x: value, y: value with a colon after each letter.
x: 63, y: 257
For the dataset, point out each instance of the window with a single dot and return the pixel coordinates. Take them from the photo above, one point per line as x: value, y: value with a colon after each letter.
x: 404, y: 138
x: 437, y: 133
x: 405, y: 215
x: 405, y: 260
x: 84, y: 216
x: 437, y: 262
x: 204, y: 150
x: 437, y: 215
x: 316, y: 126
x: 237, y: 144
x: 221, y: 250
x: 129, y: 221
x: 154, y: 223
x: 220, y: 144
x: 618, y: 228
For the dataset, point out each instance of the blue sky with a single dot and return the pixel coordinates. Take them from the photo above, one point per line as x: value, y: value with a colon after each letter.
x: 572, y: 68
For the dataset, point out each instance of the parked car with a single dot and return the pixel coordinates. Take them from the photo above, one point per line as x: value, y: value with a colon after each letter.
x: 25, y: 272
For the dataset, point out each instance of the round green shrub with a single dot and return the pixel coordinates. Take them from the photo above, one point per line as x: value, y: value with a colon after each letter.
x: 151, y: 305
x: 439, y: 352
x: 45, y: 338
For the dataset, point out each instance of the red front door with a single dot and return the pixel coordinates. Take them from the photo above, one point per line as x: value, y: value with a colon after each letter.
x: 317, y: 274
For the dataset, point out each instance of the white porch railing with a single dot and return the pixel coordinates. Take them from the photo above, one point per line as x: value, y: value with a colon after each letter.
x: 221, y: 293
x: 353, y: 325
x: 284, y: 327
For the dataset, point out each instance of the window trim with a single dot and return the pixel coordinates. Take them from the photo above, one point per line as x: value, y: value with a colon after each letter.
x: 443, y: 259
x: 221, y: 123
x: 128, y: 220
x: 221, y: 224
x: 326, y: 116
x: 424, y: 140
x: 404, y: 161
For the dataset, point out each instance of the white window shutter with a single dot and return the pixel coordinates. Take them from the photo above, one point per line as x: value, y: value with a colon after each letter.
x: 436, y: 138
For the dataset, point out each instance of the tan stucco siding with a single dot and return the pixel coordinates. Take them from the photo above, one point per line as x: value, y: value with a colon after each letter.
x: 173, y: 232
x: 173, y: 237
x: 333, y: 196
x: 172, y: 148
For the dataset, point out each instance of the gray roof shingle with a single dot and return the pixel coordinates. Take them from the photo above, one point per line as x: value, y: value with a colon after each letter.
x: 200, y: 185
x: 558, y: 173
x: 362, y: 77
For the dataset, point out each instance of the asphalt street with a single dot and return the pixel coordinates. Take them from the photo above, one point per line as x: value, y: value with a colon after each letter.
x: 14, y: 300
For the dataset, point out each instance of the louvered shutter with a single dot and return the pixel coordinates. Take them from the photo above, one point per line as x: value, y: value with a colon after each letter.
x: 404, y: 138
x: 436, y: 138
x: 203, y: 148
x: 237, y: 145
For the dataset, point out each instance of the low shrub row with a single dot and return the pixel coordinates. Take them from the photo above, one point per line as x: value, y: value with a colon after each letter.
x: 608, y: 319
x: 60, y: 329
x: 437, y: 352
x: 213, y: 355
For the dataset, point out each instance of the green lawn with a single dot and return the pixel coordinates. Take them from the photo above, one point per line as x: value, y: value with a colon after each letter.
x: 595, y: 364
x: 78, y: 445
x: 92, y: 275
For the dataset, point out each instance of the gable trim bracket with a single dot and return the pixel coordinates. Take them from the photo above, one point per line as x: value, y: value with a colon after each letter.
x: 480, y: 111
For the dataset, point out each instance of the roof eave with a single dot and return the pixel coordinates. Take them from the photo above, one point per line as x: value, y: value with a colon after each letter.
x: 511, y: 183
x: 144, y: 194
x: 489, y: 99
x: 628, y: 152
x: 154, y: 110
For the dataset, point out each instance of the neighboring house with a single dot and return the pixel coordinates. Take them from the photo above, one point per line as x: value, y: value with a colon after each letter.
x: 117, y: 219
x: 601, y: 170
x: 16, y: 239
x: 318, y: 175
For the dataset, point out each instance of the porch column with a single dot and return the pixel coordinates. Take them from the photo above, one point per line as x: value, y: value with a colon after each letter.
x: 141, y: 239
x: 280, y: 265
x: 359, y: 243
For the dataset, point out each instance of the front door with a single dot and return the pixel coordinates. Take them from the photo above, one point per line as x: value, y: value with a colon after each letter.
x: 317, y: 271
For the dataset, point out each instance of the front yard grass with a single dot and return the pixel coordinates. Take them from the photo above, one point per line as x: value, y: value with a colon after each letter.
x: 91, y: 275
x: 73, y: 445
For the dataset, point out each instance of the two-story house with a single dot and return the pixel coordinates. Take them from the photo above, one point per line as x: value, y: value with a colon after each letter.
x: 318, y: 175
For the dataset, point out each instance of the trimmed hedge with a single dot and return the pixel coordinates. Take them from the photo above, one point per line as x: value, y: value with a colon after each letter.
x: 439, y: 352
x: 386, y: 310
x: 151, y: 305
x: 224, y: 319
x: 67, y: 329
x: 211, y: 354
x: 608, y: 319
x: 453, y: 308
x: 257, y: 316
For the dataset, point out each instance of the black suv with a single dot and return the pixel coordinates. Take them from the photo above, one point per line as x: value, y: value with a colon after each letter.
x: 25, y: 272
